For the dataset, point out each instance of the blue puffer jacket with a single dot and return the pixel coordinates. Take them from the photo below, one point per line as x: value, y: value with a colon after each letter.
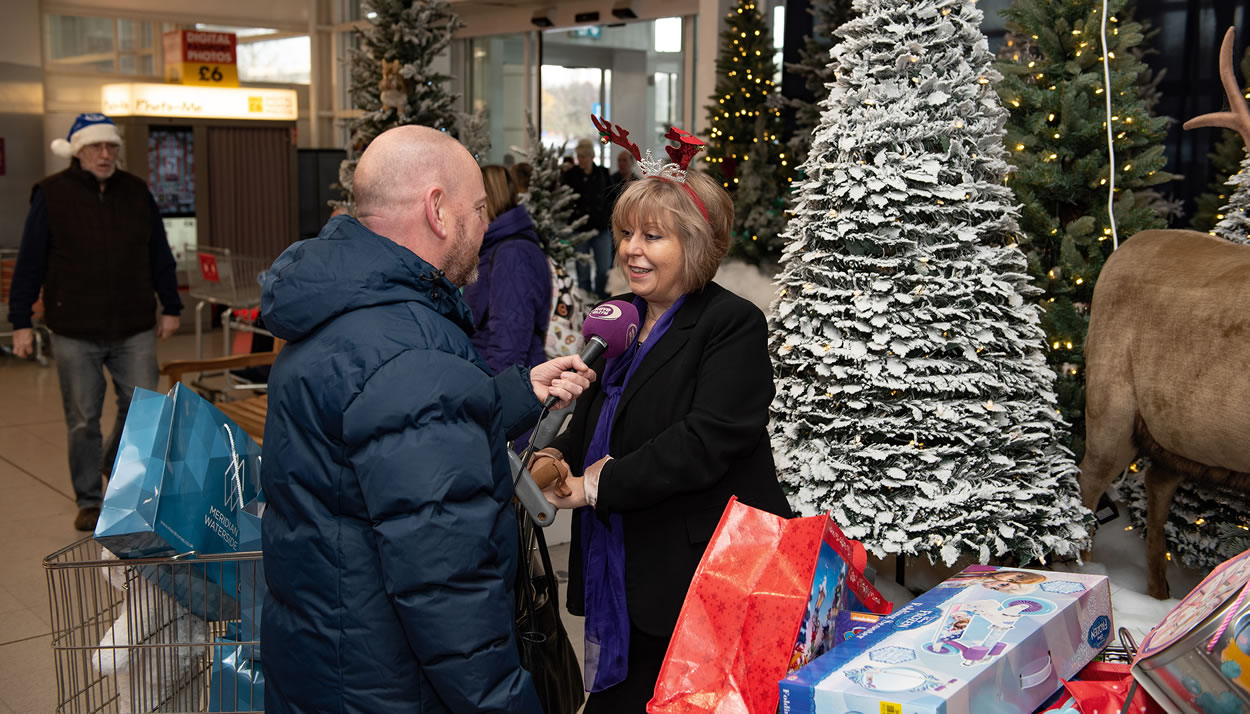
x: 511, y: 300
x: 390, y: 542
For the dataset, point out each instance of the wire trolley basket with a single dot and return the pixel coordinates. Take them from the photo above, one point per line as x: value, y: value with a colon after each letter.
x: 175, y: 634
x: 226, y: 278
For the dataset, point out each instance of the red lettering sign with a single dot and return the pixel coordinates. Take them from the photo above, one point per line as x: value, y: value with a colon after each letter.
x: 200, y: 47
x: 208, y: 268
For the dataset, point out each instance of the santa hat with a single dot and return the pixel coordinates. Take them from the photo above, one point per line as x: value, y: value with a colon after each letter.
x: 87, y: 129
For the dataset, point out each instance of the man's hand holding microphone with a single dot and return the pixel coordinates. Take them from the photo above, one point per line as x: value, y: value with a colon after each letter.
x: 609, y: 330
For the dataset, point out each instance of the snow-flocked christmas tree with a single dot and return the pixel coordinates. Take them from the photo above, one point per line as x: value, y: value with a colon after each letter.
x: 393, y: 77
x: 913, y: 397
x: 1053, y: 87
x: 744, y: 149
x: 1234, y: 222
x: 550, y: 202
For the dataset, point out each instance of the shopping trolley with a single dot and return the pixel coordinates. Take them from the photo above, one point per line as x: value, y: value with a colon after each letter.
x: 8, y: 263
x: 154, y: 634
x: 221, y: 277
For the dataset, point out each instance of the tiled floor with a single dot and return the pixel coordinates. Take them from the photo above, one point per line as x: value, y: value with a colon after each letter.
x: 36, y: 515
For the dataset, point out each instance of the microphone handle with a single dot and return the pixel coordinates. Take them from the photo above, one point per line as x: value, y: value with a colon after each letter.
x: 594, y: 347
x: 549, y: 426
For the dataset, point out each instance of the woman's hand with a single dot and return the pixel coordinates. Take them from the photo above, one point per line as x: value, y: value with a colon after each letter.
x: 570, y: 494
x: 563, y: 378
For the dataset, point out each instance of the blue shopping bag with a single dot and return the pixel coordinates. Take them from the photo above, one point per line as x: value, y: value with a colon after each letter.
x: 186, y: 480
x: 184, y: 473
x: 237, y: 683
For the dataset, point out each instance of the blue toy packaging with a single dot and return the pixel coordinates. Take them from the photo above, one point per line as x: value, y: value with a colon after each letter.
x: 987, y: 640
x: 838, y: 589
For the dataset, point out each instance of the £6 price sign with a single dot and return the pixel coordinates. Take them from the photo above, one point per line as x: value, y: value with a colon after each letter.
x: 202, y: 58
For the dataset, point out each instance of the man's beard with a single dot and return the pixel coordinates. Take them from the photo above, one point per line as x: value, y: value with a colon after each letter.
x: 461, y: 260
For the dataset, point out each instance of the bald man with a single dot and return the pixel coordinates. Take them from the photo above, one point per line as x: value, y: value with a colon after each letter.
x: 389, y: 537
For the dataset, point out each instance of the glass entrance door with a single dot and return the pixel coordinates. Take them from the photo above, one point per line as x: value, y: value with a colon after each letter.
x: 633, y: 74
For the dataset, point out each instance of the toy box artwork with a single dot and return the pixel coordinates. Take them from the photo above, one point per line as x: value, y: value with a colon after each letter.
x: 838, y: 587
x: 1198, y: 658
x: 987, y: 640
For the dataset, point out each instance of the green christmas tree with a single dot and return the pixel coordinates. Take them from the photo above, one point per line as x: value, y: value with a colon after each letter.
x: 393, y: 81
x: 1053, y: 87
x: 744, y: 145
x: 1225, y: 162
x: 817, y: 71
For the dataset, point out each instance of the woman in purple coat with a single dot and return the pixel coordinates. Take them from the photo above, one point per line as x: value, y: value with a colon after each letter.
x: 511, y: 300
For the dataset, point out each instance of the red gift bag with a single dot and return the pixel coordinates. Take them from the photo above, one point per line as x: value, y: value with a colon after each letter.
x: 741, y: 616
x: 1102, y: 688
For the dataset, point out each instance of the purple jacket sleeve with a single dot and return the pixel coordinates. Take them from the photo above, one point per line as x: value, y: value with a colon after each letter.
x: 519, y: 304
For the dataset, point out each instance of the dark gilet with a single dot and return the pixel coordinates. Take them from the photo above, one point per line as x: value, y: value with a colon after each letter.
x: 98, y: 284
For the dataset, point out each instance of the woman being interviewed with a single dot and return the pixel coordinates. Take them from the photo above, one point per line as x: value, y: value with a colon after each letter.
x: 676, y: 426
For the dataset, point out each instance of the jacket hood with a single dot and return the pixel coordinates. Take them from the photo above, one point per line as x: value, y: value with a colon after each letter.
x: 345, y: 268
x: 511, y: 223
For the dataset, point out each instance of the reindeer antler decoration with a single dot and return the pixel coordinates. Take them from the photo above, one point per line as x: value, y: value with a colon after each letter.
x: 687, y: 146
x: 1237, y: 117
x: 618, y: 137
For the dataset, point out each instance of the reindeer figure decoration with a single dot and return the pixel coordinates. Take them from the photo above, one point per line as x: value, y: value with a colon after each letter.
x: 392, y: 89
x: 1166, y: 358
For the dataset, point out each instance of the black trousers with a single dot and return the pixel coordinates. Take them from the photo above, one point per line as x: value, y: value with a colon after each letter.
x: 646, y: 654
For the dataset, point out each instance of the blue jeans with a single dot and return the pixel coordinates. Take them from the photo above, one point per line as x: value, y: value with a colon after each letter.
x: 601, y: 245
x: 132, y: 363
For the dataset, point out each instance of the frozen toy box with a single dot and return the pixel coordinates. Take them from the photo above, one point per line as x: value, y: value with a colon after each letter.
x: 987, y: 640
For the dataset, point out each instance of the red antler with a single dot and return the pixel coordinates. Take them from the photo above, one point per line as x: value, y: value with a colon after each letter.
x: 688, y: 145
x: 618, y: 137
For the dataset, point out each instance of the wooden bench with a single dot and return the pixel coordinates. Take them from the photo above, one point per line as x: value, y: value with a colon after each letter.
x: 248, y: 413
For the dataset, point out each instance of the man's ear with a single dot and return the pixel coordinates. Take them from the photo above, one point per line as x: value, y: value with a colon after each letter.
x: 435, y: 207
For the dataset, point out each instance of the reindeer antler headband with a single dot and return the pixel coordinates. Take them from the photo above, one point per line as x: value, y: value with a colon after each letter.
x: 675, y: 172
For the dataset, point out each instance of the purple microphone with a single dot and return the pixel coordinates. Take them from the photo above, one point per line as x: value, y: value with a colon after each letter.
x: 609, y: 330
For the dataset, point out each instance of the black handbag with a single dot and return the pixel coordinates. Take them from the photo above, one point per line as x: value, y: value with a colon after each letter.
x: 546, y: 652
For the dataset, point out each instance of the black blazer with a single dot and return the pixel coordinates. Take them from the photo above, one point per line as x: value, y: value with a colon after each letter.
x: 690, y: 431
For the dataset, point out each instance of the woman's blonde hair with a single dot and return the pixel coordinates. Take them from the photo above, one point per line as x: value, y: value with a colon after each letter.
x: 704, y: 241
x: 501, y: 193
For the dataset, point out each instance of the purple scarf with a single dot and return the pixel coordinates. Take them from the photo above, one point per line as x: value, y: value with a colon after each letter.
x: 603, y: 544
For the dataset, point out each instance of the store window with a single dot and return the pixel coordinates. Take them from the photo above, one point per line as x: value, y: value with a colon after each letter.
x: 100, y: 44
x: 267, y: 55
x: 286, y: 60
x: 632, y: 74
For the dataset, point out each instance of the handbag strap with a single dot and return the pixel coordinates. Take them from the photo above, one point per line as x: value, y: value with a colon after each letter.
x: 553, y: 590
x: 530, y: 536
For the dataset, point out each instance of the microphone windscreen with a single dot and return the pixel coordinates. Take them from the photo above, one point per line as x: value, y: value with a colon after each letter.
x: 616, y: 322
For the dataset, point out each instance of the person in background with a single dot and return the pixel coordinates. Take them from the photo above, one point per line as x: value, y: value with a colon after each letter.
x: 591, y: 182
x: 390, y: 541
x: 521, y: 174
x: 673, y: 428
x: 95, y: 243
x: 625, y: 172
x: 566, y: 163
x: 511, y: 299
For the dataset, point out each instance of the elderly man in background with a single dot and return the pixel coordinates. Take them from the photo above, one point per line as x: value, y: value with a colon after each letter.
x: 390, y: 540
x: 95, y: 243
